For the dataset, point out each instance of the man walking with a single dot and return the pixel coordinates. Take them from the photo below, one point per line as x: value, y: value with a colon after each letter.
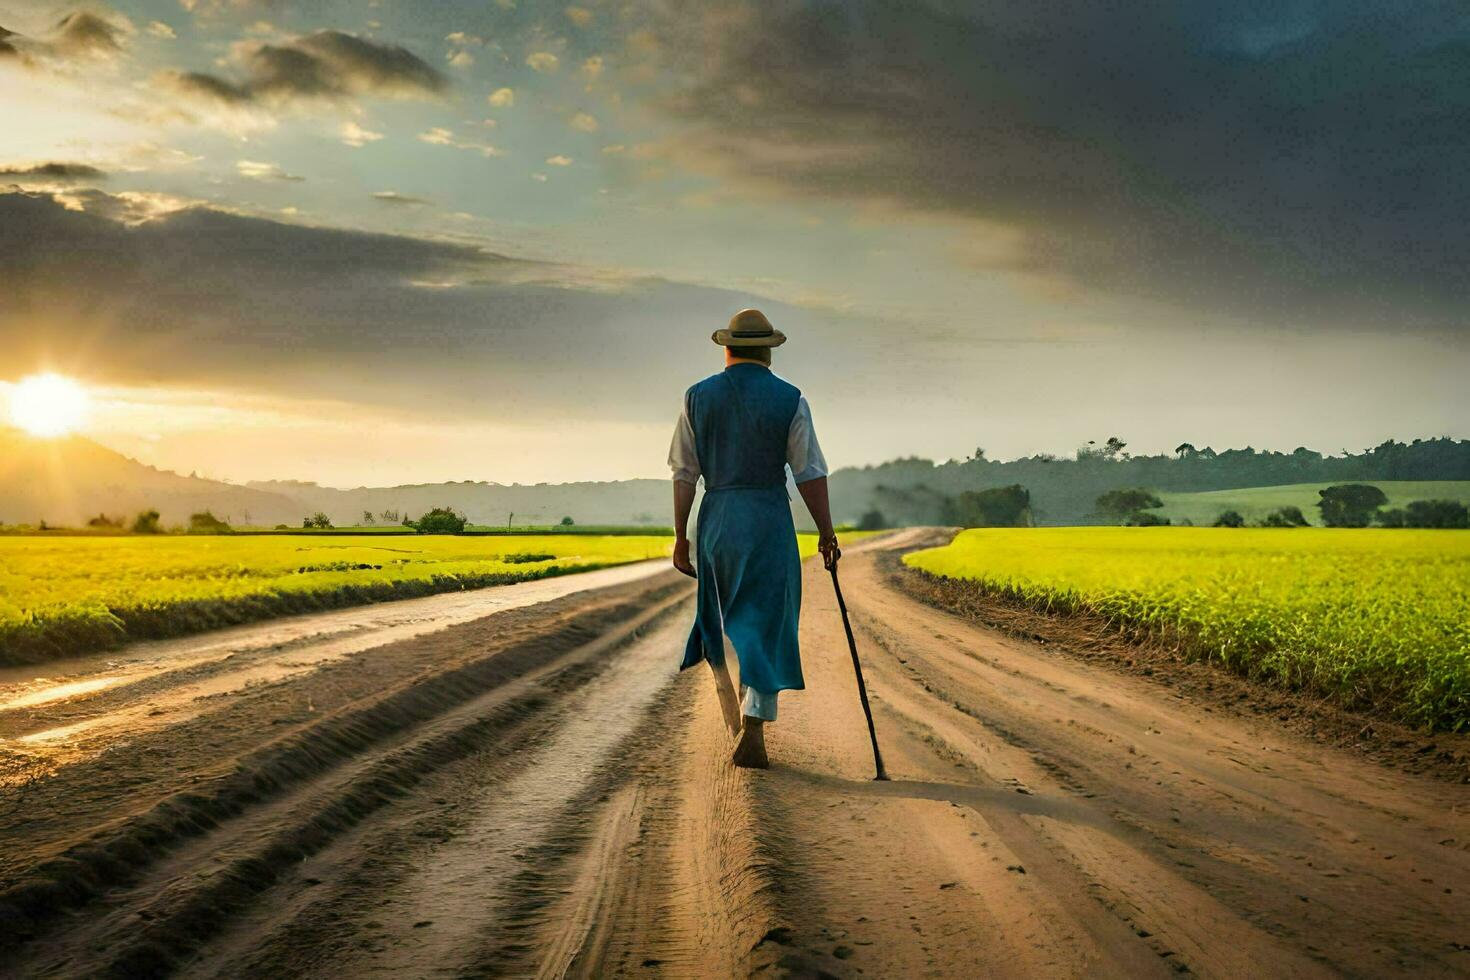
x: 740, y: 429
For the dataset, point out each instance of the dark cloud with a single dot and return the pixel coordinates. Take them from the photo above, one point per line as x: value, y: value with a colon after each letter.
x: 322, y: 65
x: 84, y: 34
x: 206, y: 88
x: 202, y: 297
x: 54, y: 172
x: 393, y: 197
x: 1297, y: 162
x: 77, y: 36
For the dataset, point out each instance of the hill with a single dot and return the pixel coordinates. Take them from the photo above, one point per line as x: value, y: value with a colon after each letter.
x: 1254, y: 503
x: 618, y: 502
x: 68, y: 480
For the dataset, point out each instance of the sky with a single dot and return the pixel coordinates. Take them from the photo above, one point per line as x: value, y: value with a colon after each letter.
x: 385, y: 241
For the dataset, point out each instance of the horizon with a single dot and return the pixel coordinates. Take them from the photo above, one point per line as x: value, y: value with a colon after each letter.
x: 378, y: 245
x: 194, y: 472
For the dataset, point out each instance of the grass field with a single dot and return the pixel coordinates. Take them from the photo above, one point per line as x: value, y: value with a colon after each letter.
x: 67, y: 595
x: 1254, y: 503
x: 70, y: 595
x: 1374, y: 619
x: 488, y: 530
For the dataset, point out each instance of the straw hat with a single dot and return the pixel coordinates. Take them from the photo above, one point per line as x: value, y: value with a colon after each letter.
x: 749, y: 328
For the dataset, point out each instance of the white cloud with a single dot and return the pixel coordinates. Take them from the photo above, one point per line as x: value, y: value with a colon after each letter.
x: 502, y: 97
x: 584, y: 122
x: 580, y: 16
x: 354, y: 135
x: 593, y: 66
x: 614, y: 148
x: 159, y: 29
x: 461, y: 58
x: 256, y: 170
x: 151, y: 156
x: 464, y: 40
x: 559, y: 161
x: 543, y: 61
x: 439, y: 136
x: 541, y: 178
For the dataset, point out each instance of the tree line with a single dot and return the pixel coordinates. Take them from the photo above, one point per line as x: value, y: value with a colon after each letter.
x: 1341, y: 505
x: 1065, y: 491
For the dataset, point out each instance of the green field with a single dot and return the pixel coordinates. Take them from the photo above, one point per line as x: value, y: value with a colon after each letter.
x: 1254, y: 503
x: 68, y: 595
x: 1375, y: 619
x: 500, y: 530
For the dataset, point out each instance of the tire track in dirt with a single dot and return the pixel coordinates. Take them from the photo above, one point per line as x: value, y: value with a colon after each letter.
x: 1112, y: 819
x: 366, y: 728
x: 61, y: 712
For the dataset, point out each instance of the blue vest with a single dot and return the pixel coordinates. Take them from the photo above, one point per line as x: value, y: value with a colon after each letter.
x: 745, y: 552
x: 741, y: 418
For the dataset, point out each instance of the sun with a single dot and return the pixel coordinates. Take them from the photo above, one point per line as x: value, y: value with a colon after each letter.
x: 48, y: 405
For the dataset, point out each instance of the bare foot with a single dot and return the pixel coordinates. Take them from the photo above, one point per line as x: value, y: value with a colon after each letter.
x: 751, y: 752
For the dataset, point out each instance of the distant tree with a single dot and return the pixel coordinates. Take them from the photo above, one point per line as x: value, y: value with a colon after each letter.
x: 205, y: 522
x: 1350, y: 504
x: 146, y: 523
x: 1437, y: 514
x: 1395, y: 517
x: 1114, y: 448
x: 317, y: 520
x: 367, y: 517
x: 1185, y: 450
x: 1143, y: 518
x: 1122, y: 505
x: 390, y: 517
x: 1288, y: 516
x: 997, y: 507
x: 1230, y: 518
x: 440, y: 520
x: 103, y: 521
x: 979, y: 456
x: 872, y: 520
x: 282, y: 527
x: 567, y: 522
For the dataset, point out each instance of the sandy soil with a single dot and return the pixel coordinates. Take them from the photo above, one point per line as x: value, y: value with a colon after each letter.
x: 533, y: 791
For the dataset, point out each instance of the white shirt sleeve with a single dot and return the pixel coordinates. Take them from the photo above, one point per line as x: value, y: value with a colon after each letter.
x: 802, y: 451
x: 682, y: 458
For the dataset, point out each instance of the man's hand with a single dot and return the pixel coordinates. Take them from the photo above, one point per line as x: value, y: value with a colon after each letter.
x: 681, y: 557
x: 827, y: 545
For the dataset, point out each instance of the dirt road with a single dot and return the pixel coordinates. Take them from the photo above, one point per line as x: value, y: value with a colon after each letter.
x: 529, y: 789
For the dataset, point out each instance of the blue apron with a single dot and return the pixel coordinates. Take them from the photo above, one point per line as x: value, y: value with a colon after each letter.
x: 745, y: 543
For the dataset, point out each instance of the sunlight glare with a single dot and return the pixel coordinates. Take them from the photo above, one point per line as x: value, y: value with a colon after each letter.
x: 48, y: 405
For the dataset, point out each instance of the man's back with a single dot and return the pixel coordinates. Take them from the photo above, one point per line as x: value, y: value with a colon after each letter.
x: 741, y: 419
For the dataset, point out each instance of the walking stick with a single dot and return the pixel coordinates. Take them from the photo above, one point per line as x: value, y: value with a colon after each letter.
x: 857, y: 668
